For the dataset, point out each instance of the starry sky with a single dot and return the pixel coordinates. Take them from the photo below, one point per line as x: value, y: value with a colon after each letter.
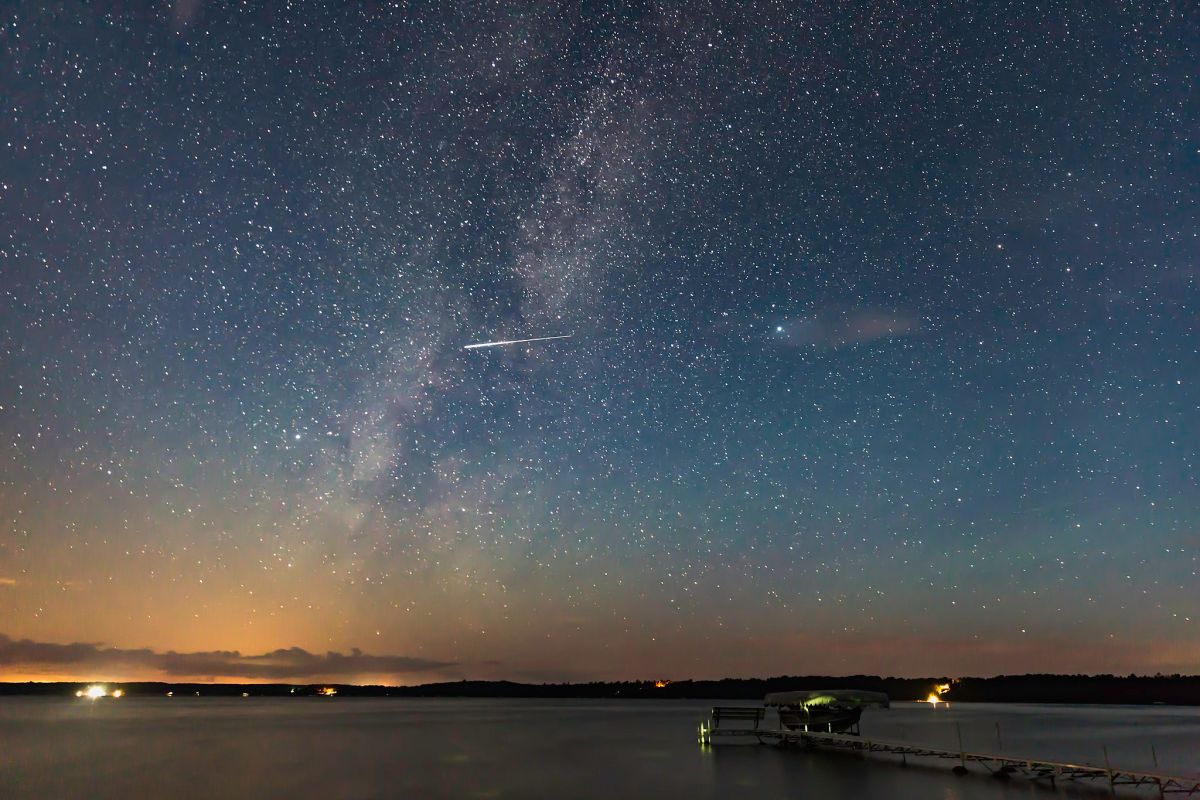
x: 883, y: 339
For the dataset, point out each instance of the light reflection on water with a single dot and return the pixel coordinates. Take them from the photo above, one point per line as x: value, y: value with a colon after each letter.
x: 364, y: 748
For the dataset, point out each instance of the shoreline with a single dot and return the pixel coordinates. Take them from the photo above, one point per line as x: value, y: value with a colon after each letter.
x: 1172, y: 690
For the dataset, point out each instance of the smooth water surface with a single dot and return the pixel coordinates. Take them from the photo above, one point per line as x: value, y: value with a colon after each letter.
x: 185, y: 747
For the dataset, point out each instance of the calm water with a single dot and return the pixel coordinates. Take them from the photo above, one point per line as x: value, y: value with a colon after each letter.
x: 182, y: 748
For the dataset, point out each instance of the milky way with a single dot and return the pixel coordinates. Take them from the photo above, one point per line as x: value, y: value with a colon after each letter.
x: 883, y: 355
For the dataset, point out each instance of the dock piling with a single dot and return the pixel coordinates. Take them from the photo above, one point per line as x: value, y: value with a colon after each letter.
x: 961, y: 769
x: 1154, y: 758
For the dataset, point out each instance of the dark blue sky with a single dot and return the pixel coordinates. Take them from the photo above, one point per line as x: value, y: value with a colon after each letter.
x: 883, y: 327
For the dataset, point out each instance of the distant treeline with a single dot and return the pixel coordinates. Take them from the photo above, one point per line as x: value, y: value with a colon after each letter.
x: 1132, y: 689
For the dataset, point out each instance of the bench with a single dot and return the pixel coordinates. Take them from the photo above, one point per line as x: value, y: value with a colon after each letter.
x: 737, y: 714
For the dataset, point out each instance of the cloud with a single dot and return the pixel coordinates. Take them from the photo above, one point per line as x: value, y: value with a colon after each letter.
x: 281, y: 664
x: 833, y: 328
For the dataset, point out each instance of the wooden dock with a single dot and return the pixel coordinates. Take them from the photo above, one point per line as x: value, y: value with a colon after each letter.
x: 998, y: 765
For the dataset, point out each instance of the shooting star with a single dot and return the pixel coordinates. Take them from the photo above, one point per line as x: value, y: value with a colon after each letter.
x: 515, y: 341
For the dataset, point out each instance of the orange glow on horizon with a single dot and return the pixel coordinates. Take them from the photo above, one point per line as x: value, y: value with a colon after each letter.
x: 158, y: 677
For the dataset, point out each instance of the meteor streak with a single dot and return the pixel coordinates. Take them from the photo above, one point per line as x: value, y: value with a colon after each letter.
x: 515, y: 341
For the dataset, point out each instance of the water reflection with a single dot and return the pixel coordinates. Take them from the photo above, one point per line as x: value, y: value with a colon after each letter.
x: 313, y: 748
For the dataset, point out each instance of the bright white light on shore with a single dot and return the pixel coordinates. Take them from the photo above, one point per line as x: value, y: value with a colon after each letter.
x: 95, y: 692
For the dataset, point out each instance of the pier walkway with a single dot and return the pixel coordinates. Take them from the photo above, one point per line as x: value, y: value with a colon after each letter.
x: 998, y: 765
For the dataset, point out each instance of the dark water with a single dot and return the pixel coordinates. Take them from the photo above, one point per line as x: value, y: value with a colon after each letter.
x: 300, y: 748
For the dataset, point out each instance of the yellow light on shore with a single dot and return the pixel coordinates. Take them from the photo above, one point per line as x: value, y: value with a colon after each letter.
x: 118, y: 693
x: 935, y: 696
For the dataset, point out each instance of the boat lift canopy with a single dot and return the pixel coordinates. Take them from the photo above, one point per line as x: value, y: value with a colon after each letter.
x: 826, y: 697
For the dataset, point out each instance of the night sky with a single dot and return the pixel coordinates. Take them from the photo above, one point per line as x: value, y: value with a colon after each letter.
x: 883, y: 339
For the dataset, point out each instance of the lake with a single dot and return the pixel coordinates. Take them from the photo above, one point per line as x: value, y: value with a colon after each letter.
x: 298, y: 748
